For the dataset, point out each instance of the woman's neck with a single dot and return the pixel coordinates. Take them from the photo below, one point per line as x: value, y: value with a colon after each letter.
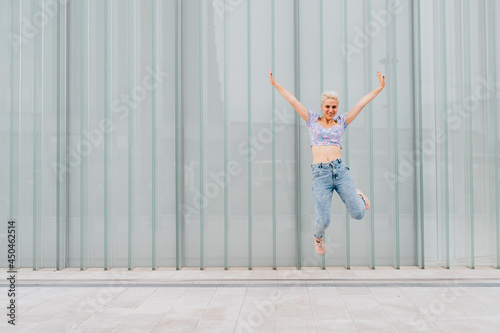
x: 328, y: 122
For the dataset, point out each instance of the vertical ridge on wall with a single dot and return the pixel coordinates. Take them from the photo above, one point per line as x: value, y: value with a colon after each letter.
x: 106, y: 79
x: 445, y: 123
x: 87, y: 108
x: 494, y: 123
x: 346, y: 89
x: 42, y: 114
x: 66, y: 130
x: 321, y: 79
x: 368, y: 82
x: 469, y: 181
x: 483, y: 73
x: 273, y: 136
x: 201, y: 57
x: 394, y: 104
x: 486, y: 73
x: 440, y: 82
x: 437, y: 98
x: 42, y: 59
x: 414, y: 134
x: 35, y: 121
x: 131, y: 80
x: 298, y: 211
x: 178, y: 160
x: 418, y: 120
x: 153, y: 137
x: 42, y: 138
x: 82, y: 108
x: 226, y: 204
x: 491, y: 112
x: 249, y: 67
x: 58, y: 133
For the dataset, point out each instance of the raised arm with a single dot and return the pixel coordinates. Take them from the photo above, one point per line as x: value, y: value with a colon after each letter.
x: 301, y: 110
x: 356, y: 109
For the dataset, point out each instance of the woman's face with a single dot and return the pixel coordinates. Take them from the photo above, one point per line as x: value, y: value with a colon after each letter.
x: 329, y: 108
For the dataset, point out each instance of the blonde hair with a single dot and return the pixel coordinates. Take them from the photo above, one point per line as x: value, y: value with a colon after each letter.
x: 329, y: 94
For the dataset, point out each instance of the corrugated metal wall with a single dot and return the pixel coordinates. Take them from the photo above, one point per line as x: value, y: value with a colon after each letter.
x: 147, y: 134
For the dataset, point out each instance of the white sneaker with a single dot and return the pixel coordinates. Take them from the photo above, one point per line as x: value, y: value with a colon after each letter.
x: 320, y: 246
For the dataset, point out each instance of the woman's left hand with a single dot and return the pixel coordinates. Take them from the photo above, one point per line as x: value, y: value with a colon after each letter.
x: 381, y: 80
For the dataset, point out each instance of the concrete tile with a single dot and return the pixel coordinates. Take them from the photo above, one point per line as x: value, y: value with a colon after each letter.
x: 258, y: 311
x: 173, y: 323
x: 458, y: 326
x: 255, y: 324
x: 139, y: 322
x: 327, y: 304
x: 470, y: 306
x: 440, y: 310
x: 108, y: 315
x: 375, y: 326
x: 416, y: 324
x: 329, y: 311
x: 220, y: 312
x: 295, y: 324
x: 364, y: 307
x: 95, y: 327
x: 161, y: 301
x: 487, y: 324
x: 293, y: 304
x: 131, y: 297
x: 57, y: 326
x: 214, y: 326
x: 195, y: 298
x: 344, y: 326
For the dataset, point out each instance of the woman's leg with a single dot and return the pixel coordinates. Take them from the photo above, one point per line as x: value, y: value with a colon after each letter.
x: 345, y: 187
x: 322, y: 186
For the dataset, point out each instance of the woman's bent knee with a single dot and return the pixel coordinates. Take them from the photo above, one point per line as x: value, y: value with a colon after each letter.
x: 323, y: 220
x: 358, y: 214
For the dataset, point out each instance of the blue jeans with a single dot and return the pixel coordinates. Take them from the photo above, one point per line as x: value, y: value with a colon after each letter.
x: 327, y: 177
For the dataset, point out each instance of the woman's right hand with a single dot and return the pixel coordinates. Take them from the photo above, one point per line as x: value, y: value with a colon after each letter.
x: 271, y: 78
x: 381, y: 80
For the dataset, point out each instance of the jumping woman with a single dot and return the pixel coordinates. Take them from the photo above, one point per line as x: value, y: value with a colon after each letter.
x: 329, y: 172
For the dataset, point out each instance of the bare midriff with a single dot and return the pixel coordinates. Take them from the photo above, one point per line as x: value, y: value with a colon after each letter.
x: 325, y: 153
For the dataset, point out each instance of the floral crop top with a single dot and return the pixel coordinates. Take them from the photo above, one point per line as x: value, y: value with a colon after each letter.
x: 321, y: 136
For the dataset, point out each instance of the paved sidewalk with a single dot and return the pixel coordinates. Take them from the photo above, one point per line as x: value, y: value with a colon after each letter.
x: 259, y: 300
